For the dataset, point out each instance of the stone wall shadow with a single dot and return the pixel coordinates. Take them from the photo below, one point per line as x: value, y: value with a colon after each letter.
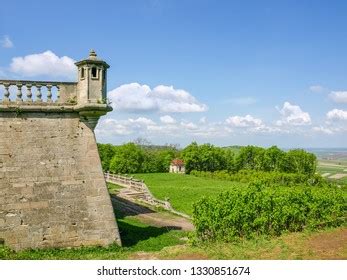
x: 130, y: 233
x: 124, y: 208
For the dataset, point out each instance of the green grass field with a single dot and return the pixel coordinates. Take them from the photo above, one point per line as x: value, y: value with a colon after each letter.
x: 332, y: 167
x: 183, y: 190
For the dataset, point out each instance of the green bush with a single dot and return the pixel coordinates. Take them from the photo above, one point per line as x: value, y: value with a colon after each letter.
x: 258, y: 210
x: 266, y: 178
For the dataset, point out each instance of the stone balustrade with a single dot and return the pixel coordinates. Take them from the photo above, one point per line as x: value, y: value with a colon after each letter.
x: 37, y: 93
x: 139, y: 185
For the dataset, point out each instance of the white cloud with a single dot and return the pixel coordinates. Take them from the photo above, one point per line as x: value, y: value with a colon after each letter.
x: 146, y: 127
x: 339, y: 96
x: 335, y: 123
x: 136, y: 98
x: 316, y: 88
x: 44, y: 64
x: 6, y: 42
x: 203, y: 120
x: 242, y: 100
x: 132, y: 97
x: 246, y: 121
x: 167, y: 119
x: 124, y: 127
x: 189, y: 125
x: 142, y: 121
x: 113, y: 127
x: 168, y: 127
x: 337, y: 114
x: 322, y: 129
x: 293, y: 115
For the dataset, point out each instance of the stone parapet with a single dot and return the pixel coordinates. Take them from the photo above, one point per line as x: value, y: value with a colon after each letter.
x: 101, y: 109
x: 38, y: 92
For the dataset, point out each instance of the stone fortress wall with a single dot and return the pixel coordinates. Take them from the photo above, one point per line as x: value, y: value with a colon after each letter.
x: 52, y: 188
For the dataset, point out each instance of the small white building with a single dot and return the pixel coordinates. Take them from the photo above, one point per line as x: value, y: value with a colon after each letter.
x: 177, y: 166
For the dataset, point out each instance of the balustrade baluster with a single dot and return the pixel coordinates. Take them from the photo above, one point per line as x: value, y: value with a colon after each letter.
x: 29, y: 93
x: 6, y: 93
x: 19, y: 93
x: 38, y: 93
x: 58, y: 93
x: 35, y: 92
x: 49, y: 93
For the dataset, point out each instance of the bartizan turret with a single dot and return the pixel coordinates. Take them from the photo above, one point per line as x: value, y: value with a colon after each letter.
x: 91, y: 89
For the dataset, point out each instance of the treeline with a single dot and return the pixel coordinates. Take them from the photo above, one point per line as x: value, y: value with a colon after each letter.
x: 207, y: 157
x: 133, y: 158
x: 136, y: 158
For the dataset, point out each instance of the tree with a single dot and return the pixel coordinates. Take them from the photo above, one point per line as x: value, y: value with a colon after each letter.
x: 164, y: 158
x: 190, y: 155
x: 273, y: 157
x: 211, y: 158
x: 128, y: 158
x: 205, y: 157
x: 106, y: 152
x: 229, y: 155
x: 250, y: 157
x: 150, y: 161
x: 299, y: 161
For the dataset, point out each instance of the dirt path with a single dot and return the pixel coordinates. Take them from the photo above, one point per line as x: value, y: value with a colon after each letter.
x: 338, y: 176
x: 125, y: 207
x: 325, y: 245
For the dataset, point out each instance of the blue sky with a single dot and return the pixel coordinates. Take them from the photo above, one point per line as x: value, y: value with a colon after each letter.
x: 224, y: 72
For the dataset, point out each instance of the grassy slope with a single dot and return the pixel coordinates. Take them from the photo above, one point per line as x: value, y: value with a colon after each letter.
x: 151, y: 244
x: 183, y: 190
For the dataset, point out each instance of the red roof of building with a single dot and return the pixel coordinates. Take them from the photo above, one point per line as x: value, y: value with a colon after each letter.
x: 177, y: 162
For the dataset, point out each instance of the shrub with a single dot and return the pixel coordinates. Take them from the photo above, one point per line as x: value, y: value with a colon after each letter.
x: 258, y: 210
x: 266, y: 178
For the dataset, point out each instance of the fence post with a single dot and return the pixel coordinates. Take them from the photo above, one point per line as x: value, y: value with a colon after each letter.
x: 167, y: 205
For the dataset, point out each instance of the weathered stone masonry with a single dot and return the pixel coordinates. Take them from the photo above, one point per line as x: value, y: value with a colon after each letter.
x: 52, y: 189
